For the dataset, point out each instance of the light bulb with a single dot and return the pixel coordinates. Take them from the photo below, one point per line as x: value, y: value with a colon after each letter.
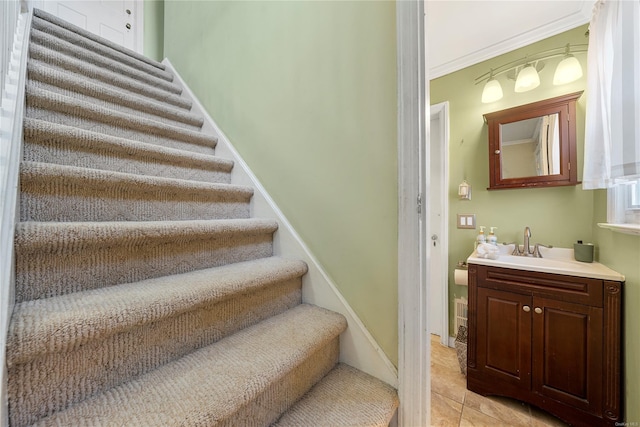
x: 568, y: 70
x: 492, y: 91
x: 528, y: 79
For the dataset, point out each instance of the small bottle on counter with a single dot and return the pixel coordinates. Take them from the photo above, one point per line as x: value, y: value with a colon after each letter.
x: 492, y: 238
x: 481, y: 237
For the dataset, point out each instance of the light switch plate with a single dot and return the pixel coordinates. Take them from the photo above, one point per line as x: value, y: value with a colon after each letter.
x: 467, y: 221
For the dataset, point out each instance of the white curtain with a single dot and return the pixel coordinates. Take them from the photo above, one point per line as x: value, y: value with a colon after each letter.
x: 612, y: 134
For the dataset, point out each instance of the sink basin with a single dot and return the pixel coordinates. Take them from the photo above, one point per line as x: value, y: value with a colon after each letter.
x: 554, y: 260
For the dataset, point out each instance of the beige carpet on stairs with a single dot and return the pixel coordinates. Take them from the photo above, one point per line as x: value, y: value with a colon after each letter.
x: 147, y: 294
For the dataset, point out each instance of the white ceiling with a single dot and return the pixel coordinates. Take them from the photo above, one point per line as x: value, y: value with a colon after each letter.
x: 461, y: 33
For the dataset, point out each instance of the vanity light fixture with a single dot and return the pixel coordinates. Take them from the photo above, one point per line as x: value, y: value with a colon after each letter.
x: 492, y: 90
x: 528, y: 79
x: 527, y: 68
x: 568, y: 70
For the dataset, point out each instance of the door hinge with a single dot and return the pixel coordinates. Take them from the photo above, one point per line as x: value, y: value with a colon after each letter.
x: 419, y: 203
x: 569, y: 166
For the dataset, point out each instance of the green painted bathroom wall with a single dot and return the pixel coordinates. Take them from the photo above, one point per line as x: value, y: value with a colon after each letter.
x: 557, y: 216
x: 306, y: 91
x: 621, y: 252
x: 154, y: 29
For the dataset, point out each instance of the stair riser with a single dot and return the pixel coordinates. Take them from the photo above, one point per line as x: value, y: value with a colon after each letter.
x: 108, y: 207
x: 83, y: 70
x: 63, y: 199
x: 128, y: 354
x: 104, y: 51
x: 64, y: 145
x: 281, y: 395
x: 127, y: 161
x: 133, y: 105
x: 116, y: 128
x: 70, y: 266
x: 66, y: 48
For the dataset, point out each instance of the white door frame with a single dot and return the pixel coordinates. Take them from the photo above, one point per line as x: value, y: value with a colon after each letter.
x: 441, y: 113
x: 414, y: 389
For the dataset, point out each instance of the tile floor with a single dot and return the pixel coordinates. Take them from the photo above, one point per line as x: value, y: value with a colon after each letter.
x: 452, y: 405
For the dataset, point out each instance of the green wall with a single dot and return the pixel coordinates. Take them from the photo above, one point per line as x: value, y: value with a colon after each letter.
x: 557, y: 216
x: 306, y: 91
x: 621, y: 252
x: 154, y: 29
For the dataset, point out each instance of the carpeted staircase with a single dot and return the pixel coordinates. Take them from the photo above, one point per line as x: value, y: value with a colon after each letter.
x: 146, y: 294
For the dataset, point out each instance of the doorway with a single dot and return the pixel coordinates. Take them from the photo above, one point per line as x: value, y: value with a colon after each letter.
x: 120, y: 22
x: 438, y: 223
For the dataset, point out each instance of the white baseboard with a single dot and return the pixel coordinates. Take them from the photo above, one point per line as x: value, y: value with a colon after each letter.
x: 357, y: 347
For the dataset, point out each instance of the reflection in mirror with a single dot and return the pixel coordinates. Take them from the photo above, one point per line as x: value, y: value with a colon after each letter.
x: 530, y: 147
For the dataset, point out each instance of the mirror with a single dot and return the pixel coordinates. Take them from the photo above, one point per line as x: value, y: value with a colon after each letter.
x: 533, y: 145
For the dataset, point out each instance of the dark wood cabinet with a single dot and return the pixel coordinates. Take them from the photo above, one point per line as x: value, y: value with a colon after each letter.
x: 551, y: 340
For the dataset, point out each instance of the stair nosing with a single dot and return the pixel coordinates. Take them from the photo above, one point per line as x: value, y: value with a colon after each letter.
x: 42, y: 334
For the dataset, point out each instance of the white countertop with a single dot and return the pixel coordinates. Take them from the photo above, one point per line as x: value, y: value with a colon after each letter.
x: 555, y: 260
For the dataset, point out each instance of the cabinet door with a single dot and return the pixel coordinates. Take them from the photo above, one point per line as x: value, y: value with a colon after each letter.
x: 567, y: 353
x: 504, y: 336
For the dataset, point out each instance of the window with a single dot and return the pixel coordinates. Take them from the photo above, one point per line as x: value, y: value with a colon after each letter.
x: 623, y: 211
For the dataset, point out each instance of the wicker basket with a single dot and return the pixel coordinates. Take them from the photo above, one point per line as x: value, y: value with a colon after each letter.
x: 461, y: 348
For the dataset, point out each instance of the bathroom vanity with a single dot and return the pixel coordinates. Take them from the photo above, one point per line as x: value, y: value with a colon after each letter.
x: 547, y: 331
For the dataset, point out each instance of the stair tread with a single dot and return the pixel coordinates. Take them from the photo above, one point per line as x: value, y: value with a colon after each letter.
x: 104, y: 92
x: 81, y: 69
x: 44, y: 132
x: 65, y: 322
x: 52, y: 192
x: 97, y: 47
x: 66, y: 48
x: 50, y: 174
x: 51, y: 101
x: 89, y: 35
x: 56, y: 237
x: 345, y: 397
x: 212, y: 383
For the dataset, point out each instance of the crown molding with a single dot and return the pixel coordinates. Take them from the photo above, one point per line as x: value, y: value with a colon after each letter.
x: 581, y: 16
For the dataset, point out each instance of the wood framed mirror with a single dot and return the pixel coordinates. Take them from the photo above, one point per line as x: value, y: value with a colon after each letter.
x: 534, y: 145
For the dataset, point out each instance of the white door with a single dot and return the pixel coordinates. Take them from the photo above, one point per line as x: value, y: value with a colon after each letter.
x: 119, y: 21
x: 437, y: 216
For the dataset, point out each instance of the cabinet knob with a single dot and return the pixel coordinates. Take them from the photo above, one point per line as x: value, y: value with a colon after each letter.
x: 538, y: 310
x: 526, y: 308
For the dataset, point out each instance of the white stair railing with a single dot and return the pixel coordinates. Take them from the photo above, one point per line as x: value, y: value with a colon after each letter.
x: 14, y: 42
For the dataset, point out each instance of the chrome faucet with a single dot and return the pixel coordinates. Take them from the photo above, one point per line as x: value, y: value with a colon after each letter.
x: 526, y: 248
x: 527, y: 234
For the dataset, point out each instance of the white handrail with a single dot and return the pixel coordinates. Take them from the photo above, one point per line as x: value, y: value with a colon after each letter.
x: 14, y: 42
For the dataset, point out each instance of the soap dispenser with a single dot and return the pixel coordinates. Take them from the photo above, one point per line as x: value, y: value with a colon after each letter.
x: 481, y: 237
x: 492, y: 239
